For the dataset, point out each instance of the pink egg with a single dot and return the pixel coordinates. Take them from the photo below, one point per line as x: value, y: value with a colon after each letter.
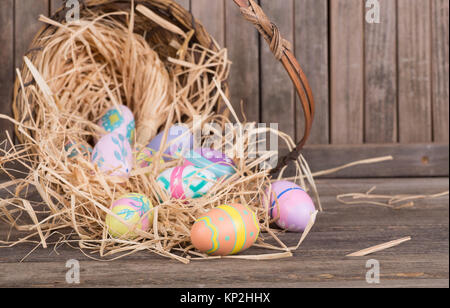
x: 291, y: 204
x: 113, y: 155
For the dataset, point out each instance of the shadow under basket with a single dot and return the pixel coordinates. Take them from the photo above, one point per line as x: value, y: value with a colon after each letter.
x: 154, y: 57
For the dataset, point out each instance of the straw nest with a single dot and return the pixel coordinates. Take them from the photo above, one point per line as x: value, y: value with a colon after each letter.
x: 166, y: 75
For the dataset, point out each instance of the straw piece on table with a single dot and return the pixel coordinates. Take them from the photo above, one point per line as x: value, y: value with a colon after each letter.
x: 378, y: 248
x: 389, y: 201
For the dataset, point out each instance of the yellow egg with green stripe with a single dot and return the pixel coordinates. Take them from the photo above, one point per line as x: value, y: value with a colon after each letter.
x: 225, y: 230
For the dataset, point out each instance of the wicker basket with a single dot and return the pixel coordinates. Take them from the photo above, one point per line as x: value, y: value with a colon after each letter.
x: 65, y: 206
x: 179, y: 16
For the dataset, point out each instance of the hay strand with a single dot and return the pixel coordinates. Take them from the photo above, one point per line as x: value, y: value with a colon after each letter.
x: 389, y: 201
x: 378, y: 248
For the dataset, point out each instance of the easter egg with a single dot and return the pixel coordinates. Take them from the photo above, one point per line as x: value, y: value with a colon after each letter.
x: 179, y: 141
x: 74, y: 149
x: 291, y: 204
x: 113, y: 155
x: 135, y: 210
x: 145, y: 157
x: 119, y: 120
x: 186, y: 182
x: 211, y: 160
x: 225, y: 230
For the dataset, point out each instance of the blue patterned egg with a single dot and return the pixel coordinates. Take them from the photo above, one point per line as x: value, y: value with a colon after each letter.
x: 119, y: 120
x: 74, y: 149
x: 186, y: 182
x: 212, y: 160
x: 113, y: 155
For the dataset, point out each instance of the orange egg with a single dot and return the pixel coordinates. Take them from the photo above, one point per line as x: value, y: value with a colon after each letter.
x: 225, y: 230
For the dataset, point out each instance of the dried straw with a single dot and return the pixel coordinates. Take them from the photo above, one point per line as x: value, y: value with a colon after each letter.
x: 389, y: 201
x: 82, y: 69
x: 378, y: 248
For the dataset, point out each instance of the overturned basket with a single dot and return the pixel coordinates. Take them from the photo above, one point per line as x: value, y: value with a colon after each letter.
x: 48, y: 115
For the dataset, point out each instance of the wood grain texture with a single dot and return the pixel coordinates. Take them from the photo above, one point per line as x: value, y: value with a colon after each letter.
x: 321, y: 261
x: 185, y: 3
x: 440, y: 69
x: 6, y: 64
x: 55, y: 5
x: 311, y: 48
x: 27, y: 25
x: 212, y: 15
x: 277, y: 91
x: 414, y: 71
x: 381, y: 76
x: 241, y: 40
x: 412, y: 160
x: 347, y: 66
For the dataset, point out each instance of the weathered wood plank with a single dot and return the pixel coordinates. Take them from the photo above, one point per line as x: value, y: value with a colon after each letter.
x: 414, y: 71
x: 347, y: 66
x: 381, y: 77
x: 423, y: 272
x: 277, y: 91
x: 212, y: 15
x: 311, y: 48
x: 241, y: 40
x: 409, y: 160
x: 6, y: 64
x: 185, y: 3
x: 339, y: 230
x: 55, y: 5
x: 27, y: 25
x: 440, y: 69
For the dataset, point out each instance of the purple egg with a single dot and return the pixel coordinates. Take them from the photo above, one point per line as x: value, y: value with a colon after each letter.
x: 179, y: 139
x: 294, y: 206
x: 113, y: 155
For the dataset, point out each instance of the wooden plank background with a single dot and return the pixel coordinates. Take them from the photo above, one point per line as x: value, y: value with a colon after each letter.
x: 384, y: 83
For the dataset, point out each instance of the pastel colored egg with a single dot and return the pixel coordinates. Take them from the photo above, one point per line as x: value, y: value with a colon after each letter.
x: 211, y: 160
x: 186, y: 182
x: 119, y: 120
x: 179, y: 141
x: 74, y: 149
x: 113, y: 155
x: 225, y: 230
x: 291, y: 204
x: 136, y: 210
x: 146, y: 157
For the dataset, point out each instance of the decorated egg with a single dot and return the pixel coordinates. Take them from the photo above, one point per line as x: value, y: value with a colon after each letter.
x: 113, y: 155
x: 291, y: 204
x: 136, y: 210
x: 73, y: 149
x: 119, y: 120
x: 225, y: 230
x: 211, y: 160
x: 186, y: 182
x: 179, y: 141
x: 145, y: 157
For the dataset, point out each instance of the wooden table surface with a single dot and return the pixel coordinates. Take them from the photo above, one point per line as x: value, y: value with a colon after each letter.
x: 320, y: 262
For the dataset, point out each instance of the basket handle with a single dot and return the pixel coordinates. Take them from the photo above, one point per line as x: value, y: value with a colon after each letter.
x: 281, y: 49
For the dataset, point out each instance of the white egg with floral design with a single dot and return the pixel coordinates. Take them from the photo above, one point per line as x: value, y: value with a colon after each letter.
x: 113, y: 155
x: 119, y: 120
